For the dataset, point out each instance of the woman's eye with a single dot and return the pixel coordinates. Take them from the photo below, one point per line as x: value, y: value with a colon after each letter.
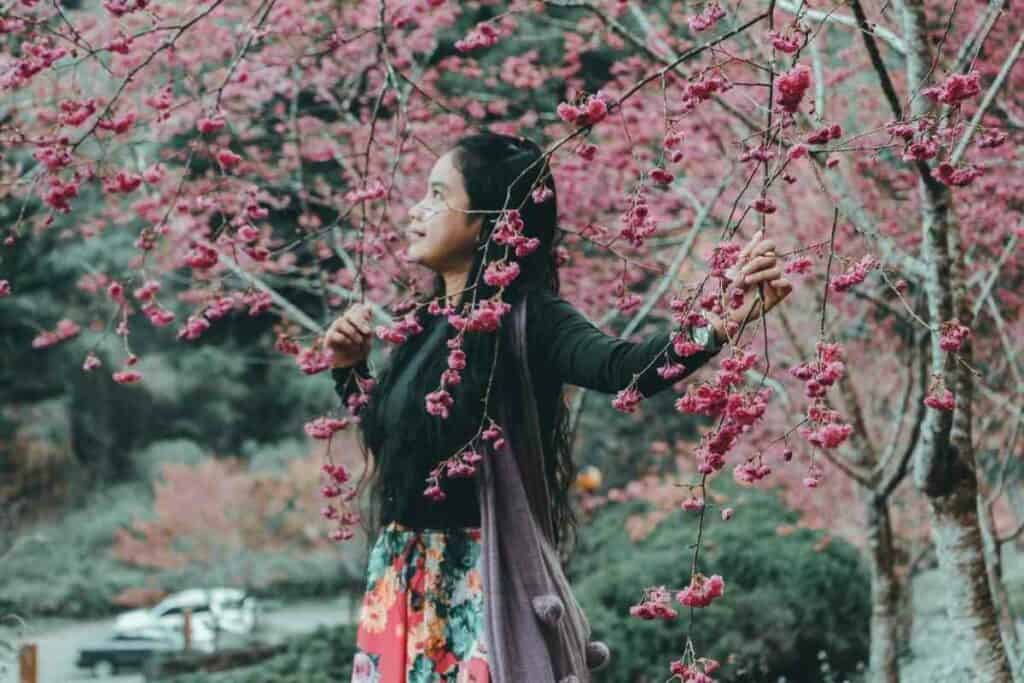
x: 436, y: 193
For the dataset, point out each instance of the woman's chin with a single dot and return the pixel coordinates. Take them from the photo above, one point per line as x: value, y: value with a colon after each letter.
x: 411, y: 254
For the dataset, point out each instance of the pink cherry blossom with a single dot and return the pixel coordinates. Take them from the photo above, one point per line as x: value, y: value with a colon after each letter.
x: 702, y: 591
x: 791, y: 87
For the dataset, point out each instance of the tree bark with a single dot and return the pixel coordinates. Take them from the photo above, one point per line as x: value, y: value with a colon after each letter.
x: 994, y: 563
x: 944, y: 462
x: 883, y: 662
x: 958, y: 543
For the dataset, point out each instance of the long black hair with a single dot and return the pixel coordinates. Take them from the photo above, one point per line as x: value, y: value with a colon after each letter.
x: 499, y: 172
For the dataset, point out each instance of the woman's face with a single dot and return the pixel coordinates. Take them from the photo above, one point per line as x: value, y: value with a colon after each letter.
x: 442, y: 236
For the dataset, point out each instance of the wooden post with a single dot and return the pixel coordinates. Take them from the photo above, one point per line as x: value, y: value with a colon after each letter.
x: 187, y: 626
x: 27, y: 663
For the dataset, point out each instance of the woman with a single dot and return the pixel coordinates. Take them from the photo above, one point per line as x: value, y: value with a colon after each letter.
x: 423, y: 616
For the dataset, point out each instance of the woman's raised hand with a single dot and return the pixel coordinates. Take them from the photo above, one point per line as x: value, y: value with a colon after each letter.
x: 757, y: 264
x: 350, y: 336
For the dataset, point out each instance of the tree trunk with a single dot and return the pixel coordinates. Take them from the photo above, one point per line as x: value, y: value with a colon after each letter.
x: 994, y: 563
x: 883, y: 661
x: 944, y: 463
x: 969, y: 605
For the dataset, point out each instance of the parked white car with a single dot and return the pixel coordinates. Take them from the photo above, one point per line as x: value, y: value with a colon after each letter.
x: 213, y: 609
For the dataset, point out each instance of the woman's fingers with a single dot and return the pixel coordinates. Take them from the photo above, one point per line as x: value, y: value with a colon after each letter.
x: 758, y: 263
x: 360, y: 323
x: 764, y: 248
x: 353, y: 331
x: 339, y: 338
x: 764, y: 275
x: 343, y: 334
x: 749, y: 246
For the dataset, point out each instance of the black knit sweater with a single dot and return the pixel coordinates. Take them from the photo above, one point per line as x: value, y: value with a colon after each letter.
x: 564, y: 348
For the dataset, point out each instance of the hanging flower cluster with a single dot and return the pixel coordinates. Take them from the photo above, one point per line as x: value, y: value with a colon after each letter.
x: 594, y: 110
x: 638, y: 224
x: 706, y: 19
x: 828, y: 430
x: 953, y: 335
x: 701, y: 591
x: 957, y: 88
x: 791, y: 87
x: 691, y: 673
x: 938, y: 396
x: 338, y: 497
x: 657, y: 604
x: 855, y: 275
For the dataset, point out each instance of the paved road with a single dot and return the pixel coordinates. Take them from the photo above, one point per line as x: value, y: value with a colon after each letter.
x: 59, y: 640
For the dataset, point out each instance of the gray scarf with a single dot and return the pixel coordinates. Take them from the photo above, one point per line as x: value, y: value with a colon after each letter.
x: 536, y: 632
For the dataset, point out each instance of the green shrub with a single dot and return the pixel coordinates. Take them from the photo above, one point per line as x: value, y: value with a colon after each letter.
x: 323, y: 656
x: 151, y: 459
x: 784, y: 601
x: 65, y: 568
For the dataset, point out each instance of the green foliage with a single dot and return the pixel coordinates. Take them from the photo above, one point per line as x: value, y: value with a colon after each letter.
x: 323, y: 656
x: 784, y: 601
x: 274, y: 457
x: 276, y: 575
x: 65, y: 568
x: 151, y: 459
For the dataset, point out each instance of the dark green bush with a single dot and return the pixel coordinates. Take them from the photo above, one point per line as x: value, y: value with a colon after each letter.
x: 784, y: 601
x: 323, y: 656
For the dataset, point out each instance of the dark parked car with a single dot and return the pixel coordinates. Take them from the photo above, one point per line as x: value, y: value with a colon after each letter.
x: 124, y: 652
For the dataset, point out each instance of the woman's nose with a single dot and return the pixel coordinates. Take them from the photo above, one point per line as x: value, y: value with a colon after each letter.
x: 416, y: 213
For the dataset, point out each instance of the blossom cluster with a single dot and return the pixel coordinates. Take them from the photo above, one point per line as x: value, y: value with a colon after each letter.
x: 637, y: 220
x: 855, y: 275
x: 957, y: 177
x: 508, y: 229
x: 655, y: 605
x: 750, y: 472
x: 696, y: 92
x: 828, y: 430
x: 335, y: 490
x: 66, y: 329
x: 691, y: 674
x: 372, y: 190
x: 486, y: 317
x: 953, y: 335
x: 706, y: 19
x: 594, y: 110
x: 483, y: 35
x: 791, y: 87
x: 702, y: 591
x: 783, y: 42
x: 823, y: 372
x: 400, y: 331
x: 957, y: 88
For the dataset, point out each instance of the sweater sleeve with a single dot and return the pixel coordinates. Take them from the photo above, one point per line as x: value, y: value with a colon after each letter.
x: 345, y: 379
x: 568, y: 344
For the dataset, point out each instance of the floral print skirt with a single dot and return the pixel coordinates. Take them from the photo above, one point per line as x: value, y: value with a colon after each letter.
x: 422, y: 617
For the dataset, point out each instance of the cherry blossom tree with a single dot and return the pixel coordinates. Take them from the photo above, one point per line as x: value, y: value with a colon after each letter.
x: 260, y: 154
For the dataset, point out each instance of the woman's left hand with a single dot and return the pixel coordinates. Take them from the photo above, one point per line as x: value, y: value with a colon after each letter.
x: 757, y: 264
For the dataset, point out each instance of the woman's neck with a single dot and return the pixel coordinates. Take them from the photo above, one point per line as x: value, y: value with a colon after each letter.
x: 454, y: 283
